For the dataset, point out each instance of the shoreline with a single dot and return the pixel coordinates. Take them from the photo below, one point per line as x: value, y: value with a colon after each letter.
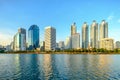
x: 36, y: 52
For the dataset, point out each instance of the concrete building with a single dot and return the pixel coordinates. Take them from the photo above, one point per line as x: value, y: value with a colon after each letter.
x: 85, y: 35
x: 107, y: 43
x: 68, y: 43
x: 117, y: 44
x: 75, y: 41
x: 50, y: 38
x: 19, y: 43
x: 73, y: 29
x: 42, y: 45
x: 94, y: 35
x: 61, y: 45
x: 103, y: 31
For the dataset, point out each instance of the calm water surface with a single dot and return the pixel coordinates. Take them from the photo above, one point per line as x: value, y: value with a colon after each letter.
x: 59, y: 67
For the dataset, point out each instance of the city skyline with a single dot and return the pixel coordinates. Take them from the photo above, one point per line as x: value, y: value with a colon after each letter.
x: 15, y: 14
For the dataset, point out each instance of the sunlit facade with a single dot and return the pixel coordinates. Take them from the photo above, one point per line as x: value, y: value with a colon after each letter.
x: 19, y: 43
x: 107, y: 43
x: 75, y: 41
x: 50, y: 38
x: 103, y: 31
x: 85, y: 35
x: 68, y: 43
x: 73, y: 29
x: 94, y: 35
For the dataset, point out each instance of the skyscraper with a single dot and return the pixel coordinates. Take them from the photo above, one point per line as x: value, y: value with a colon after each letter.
x: 75, y: 41
x: 33, y: 37
x: 94, y: 35
x: 19, y: 43
x: 68, y: 43
x: 103, y: 30
x: 73, y: 29
x: 85, y: 35
x: 50, y: 38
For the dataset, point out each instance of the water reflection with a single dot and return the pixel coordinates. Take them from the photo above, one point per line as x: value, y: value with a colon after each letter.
x: 59, y: 67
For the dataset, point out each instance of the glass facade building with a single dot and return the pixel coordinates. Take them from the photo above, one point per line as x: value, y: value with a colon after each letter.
x: 33, y: 37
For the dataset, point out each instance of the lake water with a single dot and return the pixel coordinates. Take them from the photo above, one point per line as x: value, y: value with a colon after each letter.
x: 59, y: 67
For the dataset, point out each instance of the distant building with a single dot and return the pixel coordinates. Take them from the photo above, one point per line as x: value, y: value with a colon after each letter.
x: 50, y: 38
x: 94, y: 35
x: 12, y: 46
x: 103, y: 30
x: 33, y: 37
x: 1, y: 46
x: 8, y: 48
x: 75, y: 38
x: 42, y: 46
x: 107, y: 43
x: 61, y: 45
x: 68, y: 43
x: 85, y: 35
x: 19, y: 43
x: 57, y: 45
x: 73, y: 29
x: 117, y: 44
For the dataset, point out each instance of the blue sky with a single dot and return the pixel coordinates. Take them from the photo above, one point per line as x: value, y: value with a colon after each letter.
x: 57, y: 13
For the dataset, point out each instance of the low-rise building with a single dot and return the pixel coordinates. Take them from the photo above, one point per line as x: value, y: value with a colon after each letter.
x: 107, y: 43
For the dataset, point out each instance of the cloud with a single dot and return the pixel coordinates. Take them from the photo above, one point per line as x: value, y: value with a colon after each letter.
x: 5, y: 39
x: 118, y: 20
x: 110, y: 17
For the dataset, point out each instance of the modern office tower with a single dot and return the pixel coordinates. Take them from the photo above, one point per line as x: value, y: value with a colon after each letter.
x: 33, y: 37
x: 85, y: 35
x: 61, y: 45
x: 94, y: 35
x: 75, y: 41
x: 19, y: 43
x: 68, y: 43
x: 50, y: 38
x: 117, y: 44
x: 107, y: 43
x: 73, y: 29
x: 103, y: 30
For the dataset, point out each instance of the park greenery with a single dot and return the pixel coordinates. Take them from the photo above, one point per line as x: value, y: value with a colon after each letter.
x: 69, y: 51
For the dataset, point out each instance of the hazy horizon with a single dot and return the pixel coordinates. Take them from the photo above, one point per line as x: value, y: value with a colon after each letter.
x: 57, y: 13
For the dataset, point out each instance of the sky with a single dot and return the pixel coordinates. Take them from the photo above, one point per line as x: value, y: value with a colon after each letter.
x: 57, y: 13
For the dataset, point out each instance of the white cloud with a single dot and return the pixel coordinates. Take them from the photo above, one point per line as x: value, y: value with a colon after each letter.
x: 5, y: 39
x: 110, y: 17
x: 118, y: 20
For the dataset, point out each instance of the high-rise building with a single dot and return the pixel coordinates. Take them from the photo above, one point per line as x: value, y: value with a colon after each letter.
x: 103, y: 30
x: 33, y: 37
x: 94, y: 35
x: 68, y: 43
x: 85, y: 35
x: 61, y: 45
x: 19, y: 43
x: 75, y: 41
x: 73, y: 29
x: 117, y: 44
x: 50, y: 38
x: 107, y: 43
